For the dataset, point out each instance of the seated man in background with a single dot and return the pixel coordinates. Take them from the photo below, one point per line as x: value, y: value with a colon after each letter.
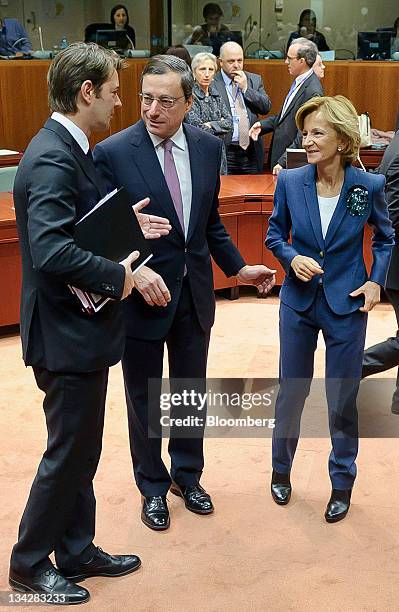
x: 245, y: 98
x: 300, y: 59
x: 14, y: 39
x: 212, y: 31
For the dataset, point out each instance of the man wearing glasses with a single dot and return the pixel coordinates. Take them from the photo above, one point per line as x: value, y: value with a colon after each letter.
x: 177, y: 166
x: 301, y: 56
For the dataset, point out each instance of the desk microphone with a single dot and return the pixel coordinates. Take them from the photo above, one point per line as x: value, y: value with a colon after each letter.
x: 41, y: 38
x: 130, y: 40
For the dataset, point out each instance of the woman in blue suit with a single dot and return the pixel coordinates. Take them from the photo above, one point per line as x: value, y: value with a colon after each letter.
x: 325, y: 206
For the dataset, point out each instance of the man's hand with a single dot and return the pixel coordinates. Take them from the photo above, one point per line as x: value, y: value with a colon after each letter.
x: 372, y: 294
x: 277, y: 169
x: 240, y: 79
x: 258, y: 275
x: 151, y: 225
x: 152, y: 287
x: 305, y: 268
x: 129, y: 280
x: 255, y: 130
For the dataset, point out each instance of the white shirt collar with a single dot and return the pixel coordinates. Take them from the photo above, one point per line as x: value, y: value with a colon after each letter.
x: 227, y: 80
x: 74, y: 130
x: 178, y: 138
x: 302, y: 77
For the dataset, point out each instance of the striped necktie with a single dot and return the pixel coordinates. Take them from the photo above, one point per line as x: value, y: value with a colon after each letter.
x: 243, y: 122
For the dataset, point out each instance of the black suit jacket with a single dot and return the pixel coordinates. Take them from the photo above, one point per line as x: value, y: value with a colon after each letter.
x: 257, y: 103
x: 129, y: 159
x: 284, y: 128
x: 390, y: 168
x: 56, y: 184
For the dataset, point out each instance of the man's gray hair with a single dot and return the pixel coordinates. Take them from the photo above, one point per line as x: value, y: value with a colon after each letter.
x: 162, y: 64
x: 73, y: 66
x: 307, y: 49
x: 199, y: 58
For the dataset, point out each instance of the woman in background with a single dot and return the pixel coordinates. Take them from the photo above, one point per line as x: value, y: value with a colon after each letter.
x: 307, y: 29
x: 209, y: 111
x: 120, y: 21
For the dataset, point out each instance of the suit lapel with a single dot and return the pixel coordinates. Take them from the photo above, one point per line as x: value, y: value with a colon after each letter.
x: 341, y: 210
x: 309, y: 188
x: 85, y: 163
x: 88, y: 167
x: 196, y: 165
x: 146, y: 160
x: 219, y: 82
x: 295, y: 102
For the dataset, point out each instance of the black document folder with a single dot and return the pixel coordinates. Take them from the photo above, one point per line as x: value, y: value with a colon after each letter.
x: 111, y: 230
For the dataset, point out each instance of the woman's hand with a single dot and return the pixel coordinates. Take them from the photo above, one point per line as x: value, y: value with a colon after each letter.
x: 372, y: 294
x: 305, y: 268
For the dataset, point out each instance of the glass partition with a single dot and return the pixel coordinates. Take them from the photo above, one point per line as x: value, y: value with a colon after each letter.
x: 359, y: 29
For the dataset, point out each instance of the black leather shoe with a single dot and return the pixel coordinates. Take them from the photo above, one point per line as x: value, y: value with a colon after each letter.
x: 395, y: 406
x: 54, y: 588
x: 338, y: 506
x: 195, y: 498
x: 102, y: 564
x: 155, y: 513
x: 281, y: 488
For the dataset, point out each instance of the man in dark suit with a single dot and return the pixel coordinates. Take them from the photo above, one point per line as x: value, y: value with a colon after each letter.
x: 246, y: 98
x: 177, y: 166
x: 385, y: 355
x: 70, y: 352
x: 301, y: 56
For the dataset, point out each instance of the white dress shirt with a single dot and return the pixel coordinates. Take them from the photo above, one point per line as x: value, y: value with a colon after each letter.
x: 74, y: 130
x: 298, y: 82
x: 182, y: 162
x: 327, y: 207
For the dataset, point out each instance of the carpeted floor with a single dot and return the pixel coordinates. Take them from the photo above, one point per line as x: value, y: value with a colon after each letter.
x: 250, y: 555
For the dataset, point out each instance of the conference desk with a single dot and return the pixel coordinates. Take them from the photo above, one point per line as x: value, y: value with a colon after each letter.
x: 372, y: 87
x: 245, y: 204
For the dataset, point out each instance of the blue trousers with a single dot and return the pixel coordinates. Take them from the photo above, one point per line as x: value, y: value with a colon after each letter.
x: 344, y: 337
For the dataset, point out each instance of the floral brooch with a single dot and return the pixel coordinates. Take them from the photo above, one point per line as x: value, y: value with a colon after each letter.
x: 356, y: 201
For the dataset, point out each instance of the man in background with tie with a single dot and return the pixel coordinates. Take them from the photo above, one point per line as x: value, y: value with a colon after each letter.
x: 246, y: 98
x: 301, y: 56
x: 177, y: 166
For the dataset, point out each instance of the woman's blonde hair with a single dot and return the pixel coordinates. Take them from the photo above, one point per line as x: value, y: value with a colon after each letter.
x: 341, y: 115
x: 202, y: 57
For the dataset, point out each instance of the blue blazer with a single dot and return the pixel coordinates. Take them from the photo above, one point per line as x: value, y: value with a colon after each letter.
x: 128, y: 159
x: 340, y: 254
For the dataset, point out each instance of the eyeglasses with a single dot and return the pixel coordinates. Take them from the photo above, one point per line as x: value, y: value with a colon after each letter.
x: 290, y: 59
x: 164, y: 101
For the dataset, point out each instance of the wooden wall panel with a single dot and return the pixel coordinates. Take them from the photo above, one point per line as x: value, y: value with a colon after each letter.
x: 376, y: 92
x: 372, y: 86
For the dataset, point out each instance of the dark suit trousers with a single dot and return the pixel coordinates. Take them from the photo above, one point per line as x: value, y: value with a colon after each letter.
x: 385, y: 355
x: 187, y: 345
x: 60, y: 512
x: 241, y: 161
x: 344, y: 338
